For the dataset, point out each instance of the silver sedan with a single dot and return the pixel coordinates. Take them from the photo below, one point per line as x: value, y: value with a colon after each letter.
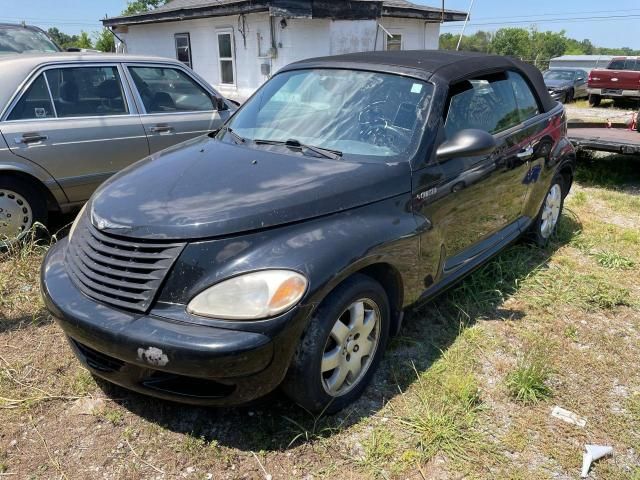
x: 69, y: 121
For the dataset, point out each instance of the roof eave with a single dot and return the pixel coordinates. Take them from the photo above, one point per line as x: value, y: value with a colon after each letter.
x: 429, y: 15
x: 188, y: 13
x: 265, y: 6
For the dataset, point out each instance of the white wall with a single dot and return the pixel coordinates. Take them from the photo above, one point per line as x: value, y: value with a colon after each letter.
x: 297, y: 40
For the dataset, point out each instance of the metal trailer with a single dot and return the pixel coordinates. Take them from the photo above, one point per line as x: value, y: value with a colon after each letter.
x: 618, y: 139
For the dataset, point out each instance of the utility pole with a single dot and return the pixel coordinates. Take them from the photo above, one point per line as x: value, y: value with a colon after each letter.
x: 465, y: 24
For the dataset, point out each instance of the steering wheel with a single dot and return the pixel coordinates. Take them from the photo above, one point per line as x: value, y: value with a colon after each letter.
x: 376, y: 129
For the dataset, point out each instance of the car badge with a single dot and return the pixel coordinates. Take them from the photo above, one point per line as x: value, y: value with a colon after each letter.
x: 104, y: 224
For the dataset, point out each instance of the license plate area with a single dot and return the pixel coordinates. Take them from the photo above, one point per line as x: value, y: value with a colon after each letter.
x: 612, y: 91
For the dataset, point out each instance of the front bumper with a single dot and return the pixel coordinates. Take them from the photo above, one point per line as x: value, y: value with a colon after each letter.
x: 178, y: 361
x: 559, y: 95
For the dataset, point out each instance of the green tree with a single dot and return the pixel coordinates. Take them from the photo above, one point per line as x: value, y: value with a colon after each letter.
x: 141, y: 6
x: 512, y: 41
x: 63, y: 40
x: 84, y: 40
x: 105, y: 41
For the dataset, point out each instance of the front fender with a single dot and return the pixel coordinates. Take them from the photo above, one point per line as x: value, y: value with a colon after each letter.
x: 326, y: 250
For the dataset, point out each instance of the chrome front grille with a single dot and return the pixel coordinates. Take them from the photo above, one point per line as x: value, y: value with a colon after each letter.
x: 118, y: 271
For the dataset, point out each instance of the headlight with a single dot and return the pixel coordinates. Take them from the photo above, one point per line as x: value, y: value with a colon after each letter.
x: 76, y: 221
x: 251, y: 296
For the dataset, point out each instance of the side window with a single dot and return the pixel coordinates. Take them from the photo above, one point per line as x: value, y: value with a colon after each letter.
x: 87, y: 91
x: 164, y: 89
x: 35, y: 103
x: 485, y: 103
x: 631, y: 64
x: 183, y: 48
x: 525, y: 99
x: 616, y: 65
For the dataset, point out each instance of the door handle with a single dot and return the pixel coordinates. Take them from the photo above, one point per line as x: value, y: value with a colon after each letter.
x: 161, y: 128
x: 526, y: 154
x: 31, y: 138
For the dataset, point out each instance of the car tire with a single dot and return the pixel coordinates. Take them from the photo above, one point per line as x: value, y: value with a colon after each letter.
x: 339, y: 333
x: 594, y: 100
x: 568, y: 97
x: 546, y: 222
x: 21, y: 207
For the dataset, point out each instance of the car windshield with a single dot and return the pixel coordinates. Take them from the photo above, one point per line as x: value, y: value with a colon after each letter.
x: 559, y: 75
x: 24, y: 40
x: 353, y: 113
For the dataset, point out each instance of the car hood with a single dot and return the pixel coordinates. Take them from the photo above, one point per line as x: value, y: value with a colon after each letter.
x: 557, y: 83
x: 206, y: 188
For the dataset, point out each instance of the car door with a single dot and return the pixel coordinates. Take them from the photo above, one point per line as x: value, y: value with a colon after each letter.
x: 580, y: 83
x: 476, y: 202
x: 175, y: 106
x: 77, y: 122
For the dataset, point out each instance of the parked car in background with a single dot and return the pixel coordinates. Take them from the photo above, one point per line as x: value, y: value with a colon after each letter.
x: 566, y: 84
x: 620, y: 80
x: 24, y: 39
x: 69, y: 121
x: 284, y: 247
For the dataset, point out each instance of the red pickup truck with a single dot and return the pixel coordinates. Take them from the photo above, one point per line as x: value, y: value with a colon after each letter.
x: 621, y: 79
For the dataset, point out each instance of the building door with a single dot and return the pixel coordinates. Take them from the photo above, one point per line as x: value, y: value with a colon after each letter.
x: 226, y: 57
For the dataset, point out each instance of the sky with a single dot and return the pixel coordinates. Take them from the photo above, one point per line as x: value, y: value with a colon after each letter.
x: 606, y: 26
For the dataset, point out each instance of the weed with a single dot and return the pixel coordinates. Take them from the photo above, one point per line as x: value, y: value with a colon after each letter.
x: 528, y: 382
x: 571, y: 332
x: 113, y: 416
x: 379, y: 450
x: 614, y: 260
x: 192, y: 444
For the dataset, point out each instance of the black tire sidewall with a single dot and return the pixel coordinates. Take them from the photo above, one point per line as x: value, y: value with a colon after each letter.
x: 303, y: 382
x: 32, y: 195
x: 569, y: 96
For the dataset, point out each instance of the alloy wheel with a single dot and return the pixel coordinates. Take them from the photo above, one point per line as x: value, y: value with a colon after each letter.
x: 351, y: 347
x: 551, y: 211
x: 16, y: 217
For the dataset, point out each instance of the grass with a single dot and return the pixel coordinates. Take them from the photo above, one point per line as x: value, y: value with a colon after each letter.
x: 528, y: 382
x: 465, y: 391
x: 614, y: 260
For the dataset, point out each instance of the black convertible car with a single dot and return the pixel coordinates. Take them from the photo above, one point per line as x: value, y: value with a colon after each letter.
x: 283, y: 248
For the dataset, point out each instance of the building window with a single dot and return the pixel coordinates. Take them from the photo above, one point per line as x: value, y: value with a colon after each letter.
x: 226, y: 58
x: 183, y: 48
x: 394, y: 42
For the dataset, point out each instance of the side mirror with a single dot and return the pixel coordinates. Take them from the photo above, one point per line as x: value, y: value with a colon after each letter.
x: 580, y: 79
x: 220, y: 103
x: 467, y: 143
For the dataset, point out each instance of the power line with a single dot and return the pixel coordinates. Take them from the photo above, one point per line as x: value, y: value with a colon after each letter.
x: 559, y: 13
x: 551, y: 20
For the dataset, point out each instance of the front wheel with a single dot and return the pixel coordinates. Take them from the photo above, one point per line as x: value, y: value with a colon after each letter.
x: 341, y: 347
x: 547, y: 220
x: 568, y: 97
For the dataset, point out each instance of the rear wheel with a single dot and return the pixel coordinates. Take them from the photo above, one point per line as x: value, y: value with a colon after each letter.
x: 594, y: 100
x: 547, y: 220
x: 21, y: 206
x: 341, y: 348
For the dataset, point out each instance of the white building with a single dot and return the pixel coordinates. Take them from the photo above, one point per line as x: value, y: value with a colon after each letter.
x: 237, y: 44
x: 587, y: 62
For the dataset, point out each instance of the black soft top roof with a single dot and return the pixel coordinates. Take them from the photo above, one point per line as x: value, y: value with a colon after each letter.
x: 439, y: 66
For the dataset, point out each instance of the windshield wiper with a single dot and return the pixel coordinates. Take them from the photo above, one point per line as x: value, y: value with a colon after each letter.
x: 292, y: 143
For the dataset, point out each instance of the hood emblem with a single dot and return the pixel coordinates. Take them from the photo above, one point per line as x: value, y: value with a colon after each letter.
x: 104, y: 224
